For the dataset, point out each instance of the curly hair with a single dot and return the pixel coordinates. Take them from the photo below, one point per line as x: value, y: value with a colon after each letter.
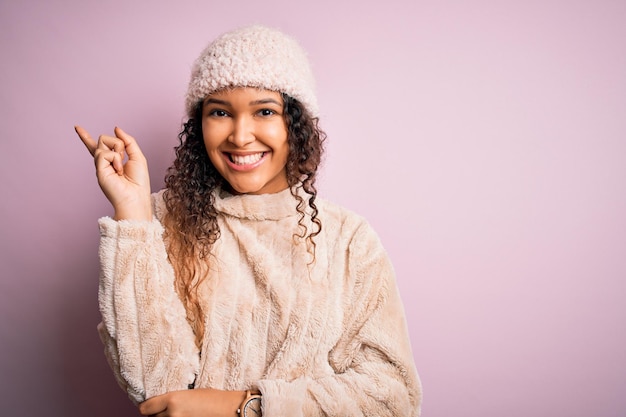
x: 191, y: 226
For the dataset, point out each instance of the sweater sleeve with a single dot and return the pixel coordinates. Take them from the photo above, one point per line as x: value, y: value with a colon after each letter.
x: 147, y: 340
x: 374, y: 371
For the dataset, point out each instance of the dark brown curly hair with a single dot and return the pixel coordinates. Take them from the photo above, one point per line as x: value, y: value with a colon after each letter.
x: 190, y: 223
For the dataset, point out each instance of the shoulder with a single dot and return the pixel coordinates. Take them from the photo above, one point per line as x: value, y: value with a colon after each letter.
x: 368, y: 271
x: 335, y: 214
x: 346, y: 222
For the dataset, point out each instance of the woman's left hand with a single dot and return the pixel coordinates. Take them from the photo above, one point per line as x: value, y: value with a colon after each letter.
x: 199, y: 402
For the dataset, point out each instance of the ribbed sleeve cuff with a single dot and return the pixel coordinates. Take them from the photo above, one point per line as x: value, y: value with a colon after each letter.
x: 282, y: 398
x: 139, y: 230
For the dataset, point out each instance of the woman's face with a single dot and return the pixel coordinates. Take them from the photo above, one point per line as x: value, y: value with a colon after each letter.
x: 245, y: 136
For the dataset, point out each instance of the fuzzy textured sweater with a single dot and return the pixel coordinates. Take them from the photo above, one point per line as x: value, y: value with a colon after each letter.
x: 326, y: 339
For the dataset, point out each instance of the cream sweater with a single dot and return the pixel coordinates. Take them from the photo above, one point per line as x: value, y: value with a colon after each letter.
x: 328, y: 339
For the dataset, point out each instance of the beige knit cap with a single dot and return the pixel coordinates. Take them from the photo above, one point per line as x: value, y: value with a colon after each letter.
x: 253, y: 56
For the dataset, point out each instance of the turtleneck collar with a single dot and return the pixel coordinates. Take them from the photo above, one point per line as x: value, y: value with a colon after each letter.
x: 274, y: 206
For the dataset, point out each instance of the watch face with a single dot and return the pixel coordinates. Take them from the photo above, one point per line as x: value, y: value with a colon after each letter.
x: 252, y: 408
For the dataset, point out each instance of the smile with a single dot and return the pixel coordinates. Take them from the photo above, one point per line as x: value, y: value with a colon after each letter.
x: 245, y: 162
x: 246, y: 159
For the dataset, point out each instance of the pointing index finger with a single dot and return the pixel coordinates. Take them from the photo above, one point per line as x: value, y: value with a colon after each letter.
x: 86, y: 139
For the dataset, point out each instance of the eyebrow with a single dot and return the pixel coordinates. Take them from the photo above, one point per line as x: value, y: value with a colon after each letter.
x: 265, y: 101
x: 211, y: 100
x: 216, y: 101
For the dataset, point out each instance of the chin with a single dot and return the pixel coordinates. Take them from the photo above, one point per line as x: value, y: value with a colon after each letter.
x: 245, y: 189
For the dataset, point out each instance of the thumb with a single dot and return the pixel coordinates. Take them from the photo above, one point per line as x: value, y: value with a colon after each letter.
x: 153, y: 405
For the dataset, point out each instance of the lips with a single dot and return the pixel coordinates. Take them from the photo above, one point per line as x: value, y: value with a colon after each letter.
x: 246, y: 162
x: 246, y: 159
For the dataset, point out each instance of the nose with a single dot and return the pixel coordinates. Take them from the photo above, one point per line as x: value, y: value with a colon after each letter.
x: 242, y: 133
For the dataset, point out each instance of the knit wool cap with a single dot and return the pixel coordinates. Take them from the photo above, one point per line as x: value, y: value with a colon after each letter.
x: 253, y: 56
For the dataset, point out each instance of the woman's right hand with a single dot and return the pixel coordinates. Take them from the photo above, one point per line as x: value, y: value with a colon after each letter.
x: 125, y: 184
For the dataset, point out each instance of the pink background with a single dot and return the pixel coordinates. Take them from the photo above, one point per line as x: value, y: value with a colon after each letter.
x: 484, y: 140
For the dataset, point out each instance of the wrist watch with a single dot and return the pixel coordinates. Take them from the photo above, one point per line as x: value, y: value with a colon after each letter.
x: 251, y: 405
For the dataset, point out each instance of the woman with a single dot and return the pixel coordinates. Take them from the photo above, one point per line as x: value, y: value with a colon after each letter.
x: 235, y: 290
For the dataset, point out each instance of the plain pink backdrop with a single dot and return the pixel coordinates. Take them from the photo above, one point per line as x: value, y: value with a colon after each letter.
x: 484, y: 140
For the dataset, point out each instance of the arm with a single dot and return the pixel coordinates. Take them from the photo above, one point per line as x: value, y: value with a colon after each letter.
x: 147, y: 339
x: 148, y: 342
x: 374, y: 372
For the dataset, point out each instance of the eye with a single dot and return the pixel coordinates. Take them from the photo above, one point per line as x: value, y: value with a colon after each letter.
x: 217, y: 113
x: 266, y: 112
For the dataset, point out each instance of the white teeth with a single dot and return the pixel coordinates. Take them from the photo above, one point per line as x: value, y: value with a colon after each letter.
x: 247, y: 159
